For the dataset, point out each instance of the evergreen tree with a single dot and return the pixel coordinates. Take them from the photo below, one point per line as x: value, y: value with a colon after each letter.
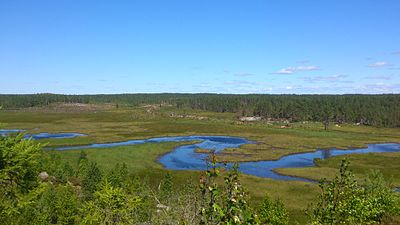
x: 91, y: 180
x: 110, y: 205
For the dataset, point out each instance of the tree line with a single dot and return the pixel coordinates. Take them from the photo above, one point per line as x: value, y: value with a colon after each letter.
x: 376, y: 110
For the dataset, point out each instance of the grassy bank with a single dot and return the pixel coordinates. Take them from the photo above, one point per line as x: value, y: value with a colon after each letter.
x: 361, y: 165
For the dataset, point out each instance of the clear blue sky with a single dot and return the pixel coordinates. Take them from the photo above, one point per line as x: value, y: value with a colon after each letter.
x: 215, y: 46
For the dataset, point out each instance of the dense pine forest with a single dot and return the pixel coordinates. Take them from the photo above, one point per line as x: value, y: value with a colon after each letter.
x: 376, y: 110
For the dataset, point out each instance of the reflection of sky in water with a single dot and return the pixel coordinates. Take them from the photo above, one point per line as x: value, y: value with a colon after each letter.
x: 185, y: 158
x: 42, y: 135
x: 264, y: 168
x: 5, y: 132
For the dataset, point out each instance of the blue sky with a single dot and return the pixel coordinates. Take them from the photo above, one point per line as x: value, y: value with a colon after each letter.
x: 224, y: 46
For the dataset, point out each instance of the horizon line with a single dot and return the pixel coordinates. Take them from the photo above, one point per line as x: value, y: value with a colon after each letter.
x: 198, y: 93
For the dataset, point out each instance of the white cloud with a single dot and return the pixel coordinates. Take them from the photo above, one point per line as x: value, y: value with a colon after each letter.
x: 334, y: 78
x: 291, y: 70
x: 285, y: 71
x: 378, y: 64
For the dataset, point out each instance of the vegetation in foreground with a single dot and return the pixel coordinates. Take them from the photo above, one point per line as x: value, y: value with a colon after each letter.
x: 39, y: 188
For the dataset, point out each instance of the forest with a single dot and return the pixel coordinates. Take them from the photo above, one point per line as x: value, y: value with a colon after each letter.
x: 374, y: 110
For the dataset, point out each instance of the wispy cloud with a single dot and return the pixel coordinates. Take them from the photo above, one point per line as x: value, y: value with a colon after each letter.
x: 396, y: 53
x: 379, y: 87
x: 251, y: 85
x: 379, y: 77
x: 338, y: 88
x: 378, y: 64
x: 202, y: 85
x: 334, y: 78
x: 284, y: 71
x: 240, y: 83
x: 292, y: 70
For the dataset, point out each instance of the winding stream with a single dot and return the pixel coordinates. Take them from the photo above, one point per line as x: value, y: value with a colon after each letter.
x: 42, y: 135
x: 185, y: 158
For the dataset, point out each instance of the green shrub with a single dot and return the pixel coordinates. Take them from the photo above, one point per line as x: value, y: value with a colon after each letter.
x: 273, y: 212
x: 344, y: 201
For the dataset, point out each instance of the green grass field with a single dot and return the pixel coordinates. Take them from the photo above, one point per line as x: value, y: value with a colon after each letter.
x: 107, y: 124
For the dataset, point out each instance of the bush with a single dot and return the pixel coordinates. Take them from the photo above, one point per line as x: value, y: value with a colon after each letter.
x: 273, y: 212
x: 227, y: 205
x: 344, y: 201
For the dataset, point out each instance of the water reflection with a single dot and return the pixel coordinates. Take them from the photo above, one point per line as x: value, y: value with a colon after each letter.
x: 42, y: 135
x: 185, y: 158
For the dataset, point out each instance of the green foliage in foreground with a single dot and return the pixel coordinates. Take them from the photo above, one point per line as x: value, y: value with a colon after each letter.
x: 273, y: 212
x: 227, y: 205
x: 89, y: 195
x: 345, y: 201
x: 18, y: 164
x: 111, y: 205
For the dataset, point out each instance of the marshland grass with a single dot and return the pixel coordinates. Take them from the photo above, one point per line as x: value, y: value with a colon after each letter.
x: 108, y: 124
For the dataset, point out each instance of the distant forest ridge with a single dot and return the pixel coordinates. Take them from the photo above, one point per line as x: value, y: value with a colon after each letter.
x: 376, y: 110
